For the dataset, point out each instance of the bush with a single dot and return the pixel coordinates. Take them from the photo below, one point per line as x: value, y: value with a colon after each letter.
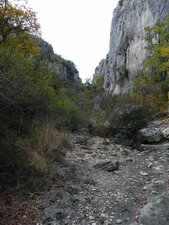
x: 121, y: 115
x: 45, y: 142
x: 26, y: 90
x: 26, y: 161
x: 14, y: 163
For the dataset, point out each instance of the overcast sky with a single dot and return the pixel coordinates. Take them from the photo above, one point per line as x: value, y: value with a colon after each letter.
x: 79, y: 30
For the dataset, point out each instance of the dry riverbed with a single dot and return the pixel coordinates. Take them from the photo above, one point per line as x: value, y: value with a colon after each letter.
x: 106, y: 183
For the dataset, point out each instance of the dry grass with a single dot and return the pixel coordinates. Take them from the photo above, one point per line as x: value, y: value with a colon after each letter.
x: 44, y: 146
x: 26, y: 161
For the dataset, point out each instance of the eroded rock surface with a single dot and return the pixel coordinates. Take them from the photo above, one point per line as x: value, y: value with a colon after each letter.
x: 127, y: 46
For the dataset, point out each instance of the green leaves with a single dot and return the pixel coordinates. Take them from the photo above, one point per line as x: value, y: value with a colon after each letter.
x: 157, y: 38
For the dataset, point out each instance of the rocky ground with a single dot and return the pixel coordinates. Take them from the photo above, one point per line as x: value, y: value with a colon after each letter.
x: 106, y: 183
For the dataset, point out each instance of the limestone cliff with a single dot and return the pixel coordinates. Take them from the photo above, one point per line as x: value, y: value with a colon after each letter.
x: 61, y: 67
x: 127, y: 47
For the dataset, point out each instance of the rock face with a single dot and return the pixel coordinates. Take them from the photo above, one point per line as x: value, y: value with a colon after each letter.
x: 62, y: 68
x: 127, y: 47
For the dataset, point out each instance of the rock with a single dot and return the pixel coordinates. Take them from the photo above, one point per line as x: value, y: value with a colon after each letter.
x: 148, y: 187
x: 151, y: 135
x: 91, y: 217
x: 129, y: 160
x: 134, y: 224
x: 106, y: 141
x: 119, y: 221
x: 165, y: 133
x: 155, y: 211
x: 127, y: 47
x: 108, y: 166
x: 125, y: 152
x: 143, y: 174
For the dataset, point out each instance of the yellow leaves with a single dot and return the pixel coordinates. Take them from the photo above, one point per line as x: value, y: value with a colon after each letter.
x: 17, y: 22
x: 23, y: 43
x: 143, y: 83
x: 165, y: 52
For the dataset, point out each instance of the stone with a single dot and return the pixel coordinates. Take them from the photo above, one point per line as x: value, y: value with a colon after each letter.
x: 108, y: 166
x: 165, y: 133
x: 106, y: 141
x: 134, y: 224
x: 155, y: 210
x: 119, y: 221
x: 143, y: 174
x: 151, y: 135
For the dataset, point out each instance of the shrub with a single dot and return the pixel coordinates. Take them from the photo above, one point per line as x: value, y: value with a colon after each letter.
x: 14, y: 163
x: 122, y: 115
x: 46, y: 142
x: 26, y: 90
x: 26, y: 160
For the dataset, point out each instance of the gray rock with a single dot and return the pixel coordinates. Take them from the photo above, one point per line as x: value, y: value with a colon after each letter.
x: 156, y: 211
x: 108, y: 166
x: 134, y: 224
x: 165, y: 133
x: 127, y: 47
x: 151, y: 135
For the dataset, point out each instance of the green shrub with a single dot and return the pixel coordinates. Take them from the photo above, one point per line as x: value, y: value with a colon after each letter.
x: 122, y: 115
x: 26, y: 90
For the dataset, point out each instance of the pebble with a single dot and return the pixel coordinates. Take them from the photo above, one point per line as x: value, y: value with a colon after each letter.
x: 91, y: 217
x: 119, y: 221
x: 103, y: 215
x: 143, y: 174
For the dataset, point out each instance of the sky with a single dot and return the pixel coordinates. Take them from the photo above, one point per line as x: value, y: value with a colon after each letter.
x: 78, y: 30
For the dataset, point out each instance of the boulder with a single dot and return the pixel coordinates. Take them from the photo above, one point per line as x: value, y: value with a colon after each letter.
x: 108, y: 166
x: 155, y: 211
x: 165, y: 133
x: 151, y: 135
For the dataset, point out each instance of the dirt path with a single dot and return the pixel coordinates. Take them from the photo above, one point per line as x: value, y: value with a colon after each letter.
x: 110, y: 184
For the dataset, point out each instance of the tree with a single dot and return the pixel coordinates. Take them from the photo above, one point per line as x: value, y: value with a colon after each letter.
x: 26, y: 88
x: 157, y: 39
x: 17, y: 24
x: 152, y: 86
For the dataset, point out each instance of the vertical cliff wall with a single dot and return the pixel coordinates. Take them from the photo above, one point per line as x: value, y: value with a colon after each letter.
x: 127, y: 47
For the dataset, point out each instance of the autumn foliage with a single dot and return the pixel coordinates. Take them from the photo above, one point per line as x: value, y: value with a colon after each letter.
x: 17, y: 23
x: 152, y: 86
